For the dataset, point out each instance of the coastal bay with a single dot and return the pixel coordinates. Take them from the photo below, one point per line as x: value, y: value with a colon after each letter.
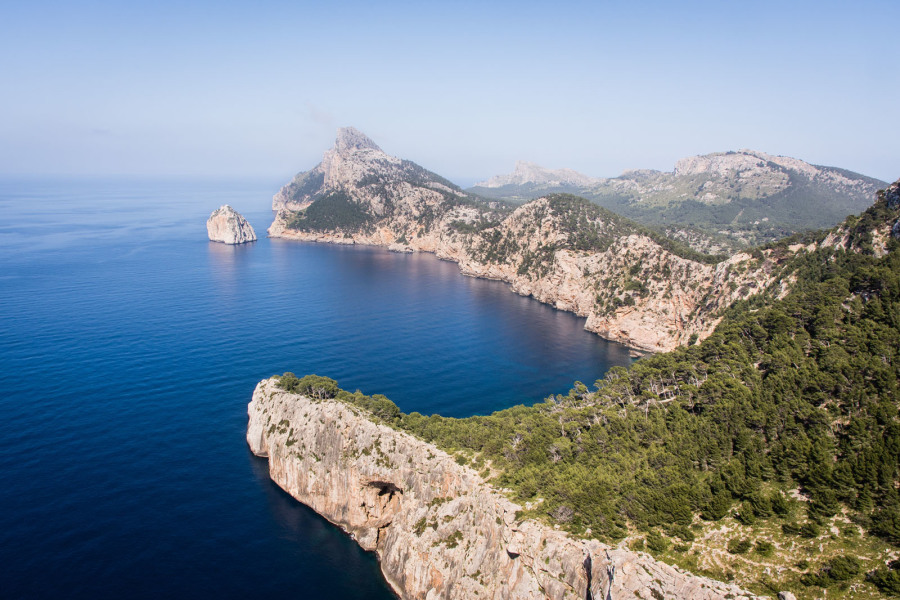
x: 131, y: 344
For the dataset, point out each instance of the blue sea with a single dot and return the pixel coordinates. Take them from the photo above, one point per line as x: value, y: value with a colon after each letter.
x: 129, y: 349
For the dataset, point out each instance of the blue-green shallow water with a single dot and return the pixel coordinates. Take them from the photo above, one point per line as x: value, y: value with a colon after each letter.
x: 129, y: 348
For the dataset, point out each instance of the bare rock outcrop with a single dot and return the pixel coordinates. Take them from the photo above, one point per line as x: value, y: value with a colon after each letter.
x: 892, y: 195
x: 226, y: 225
x: 439, y: 530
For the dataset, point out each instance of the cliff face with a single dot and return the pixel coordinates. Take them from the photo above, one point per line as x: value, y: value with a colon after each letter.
x: 228, y: 226
x: 631, y: 286
x: 439, y: 530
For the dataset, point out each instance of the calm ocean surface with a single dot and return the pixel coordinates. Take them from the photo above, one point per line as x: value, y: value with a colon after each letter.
x: 129, y: 349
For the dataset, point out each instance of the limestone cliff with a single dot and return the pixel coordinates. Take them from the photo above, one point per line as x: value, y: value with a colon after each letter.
x: 228, y: 226
x: 439, y: 530
x: 634, y: 286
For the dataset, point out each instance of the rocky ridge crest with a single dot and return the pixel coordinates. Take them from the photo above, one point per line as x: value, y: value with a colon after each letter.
x: 719, y: 177
x: 439, y: 530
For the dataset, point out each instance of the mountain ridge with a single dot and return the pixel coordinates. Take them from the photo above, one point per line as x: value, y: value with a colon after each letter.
x: 746, y: 197
x: 634, y: 285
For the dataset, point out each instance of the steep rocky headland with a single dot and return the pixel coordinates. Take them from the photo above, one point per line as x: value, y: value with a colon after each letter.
x: 228, y: 226
x: 439, y: 530
x: 634, y: 285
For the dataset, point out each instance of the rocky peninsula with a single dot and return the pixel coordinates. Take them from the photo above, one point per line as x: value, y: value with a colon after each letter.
x: 439, y: 530
x: 633, y: 285
x: 228, y: 226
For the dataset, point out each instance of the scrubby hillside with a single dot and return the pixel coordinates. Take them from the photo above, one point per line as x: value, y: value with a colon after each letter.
x: 768, y: 454
x: 764, y: 448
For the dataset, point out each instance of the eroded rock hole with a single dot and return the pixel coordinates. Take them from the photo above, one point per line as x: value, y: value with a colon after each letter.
x: 386, y: 488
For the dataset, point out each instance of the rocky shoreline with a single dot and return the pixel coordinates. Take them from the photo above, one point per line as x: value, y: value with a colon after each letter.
x: 687, y: 304
x: 439, y: 530
x: 632, y: 287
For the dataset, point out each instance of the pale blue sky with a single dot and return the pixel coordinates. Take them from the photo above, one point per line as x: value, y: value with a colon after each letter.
x: 464, y: 89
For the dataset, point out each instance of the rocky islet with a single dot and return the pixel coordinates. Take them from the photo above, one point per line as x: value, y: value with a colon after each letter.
x: 228, y: 226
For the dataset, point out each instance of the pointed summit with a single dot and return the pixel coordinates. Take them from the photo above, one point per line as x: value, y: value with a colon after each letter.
x: 356, y: 166
x: 350, y: 138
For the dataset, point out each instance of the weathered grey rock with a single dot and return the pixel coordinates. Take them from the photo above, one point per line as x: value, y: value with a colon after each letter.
x: 892, y: 195
x: 439, y: 530
x: 350, y: 138
x: 228, y: 226
x: 786, y: 596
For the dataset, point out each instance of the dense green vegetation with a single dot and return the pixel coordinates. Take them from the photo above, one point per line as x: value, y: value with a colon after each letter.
x: 801, y: 392
x: 322, y: 388
x: 786, y: 417
x: 335, y: 211
x: 887, y: 579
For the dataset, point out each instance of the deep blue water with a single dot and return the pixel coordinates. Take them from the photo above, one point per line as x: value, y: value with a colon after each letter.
x: 130, y: 346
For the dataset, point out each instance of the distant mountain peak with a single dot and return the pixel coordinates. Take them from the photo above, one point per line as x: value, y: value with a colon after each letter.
x: 530, y: 173
x: 350, y: 138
